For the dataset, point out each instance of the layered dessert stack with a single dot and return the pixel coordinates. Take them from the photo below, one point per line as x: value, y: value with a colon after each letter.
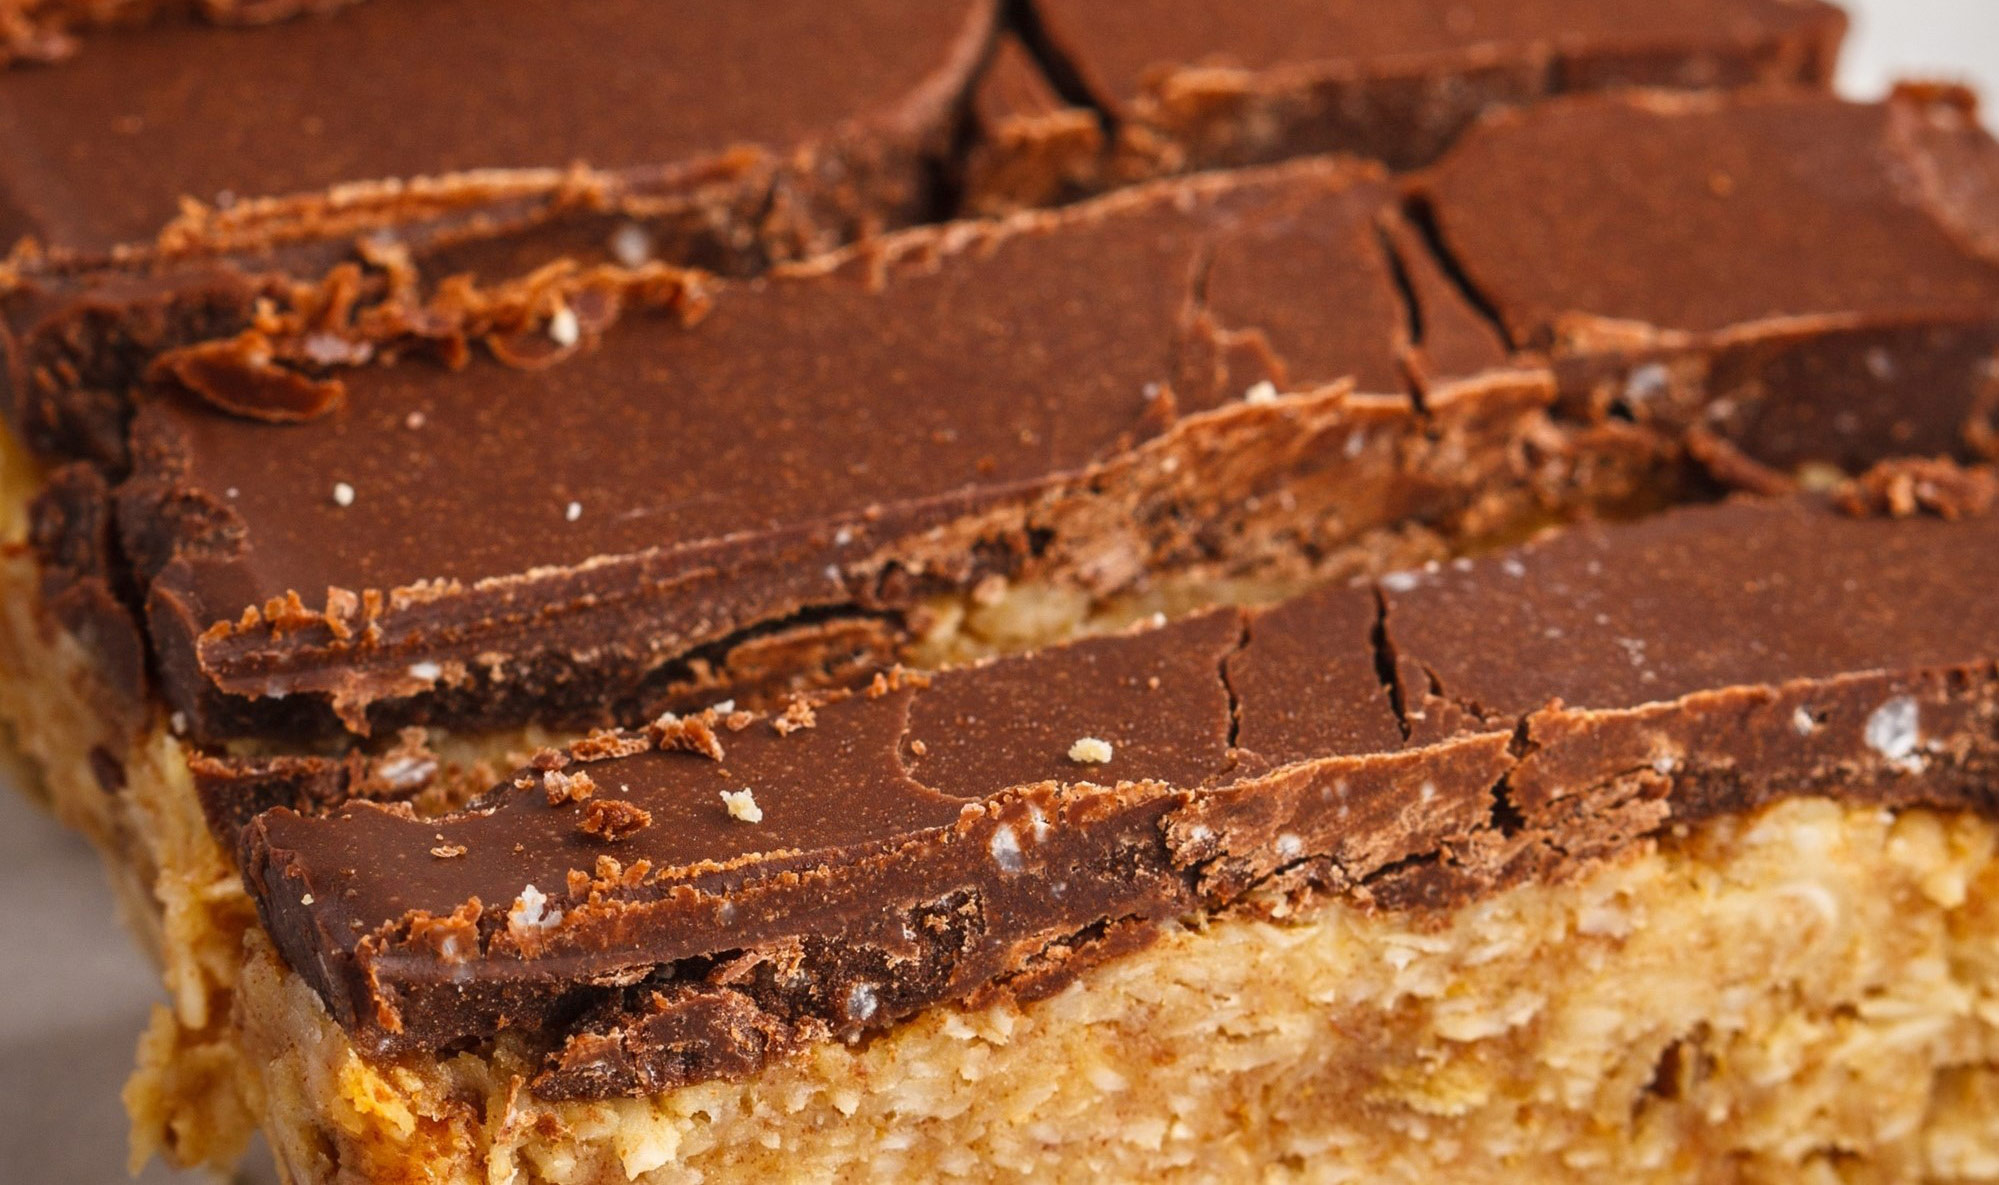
x: 1411, y: 598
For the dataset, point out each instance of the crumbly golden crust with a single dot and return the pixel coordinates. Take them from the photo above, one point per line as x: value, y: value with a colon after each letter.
x: 1809, y: 993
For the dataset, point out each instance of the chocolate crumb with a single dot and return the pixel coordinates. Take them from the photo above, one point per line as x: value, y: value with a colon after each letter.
x: 548, y: 759
x: 448, y: 851
x: 613, y: 820
x: 566, y: 788
x: 1906, y: 488
x: 798, y: 716
x: 691, y: 733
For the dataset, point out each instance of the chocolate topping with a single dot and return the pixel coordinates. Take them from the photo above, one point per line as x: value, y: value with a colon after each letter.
x: 340, y: 229
x: 183, y: 110
x: 1442, y: 734
x: 1787, y: 271
x: 1045, y: 393
x: 1193, y: 83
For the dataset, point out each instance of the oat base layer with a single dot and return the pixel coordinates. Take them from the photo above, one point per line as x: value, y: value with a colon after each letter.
x: 1807, y: 995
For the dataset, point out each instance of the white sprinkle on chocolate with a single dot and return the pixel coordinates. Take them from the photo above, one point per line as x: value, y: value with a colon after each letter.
x: 563, y: 328
x: 1401, y: 582
x: 1090, y: 751
x: 178, y: 723
x: 1263, y: 392
x: 305, y: 900
x: 861, y: 1001
x: 742, y: 805
x: 573, y: 511
x: 1802, y: 721
x: 428, y: 671
x: 343, y: 494
x: 1894, y: 730
x: 413, y: 421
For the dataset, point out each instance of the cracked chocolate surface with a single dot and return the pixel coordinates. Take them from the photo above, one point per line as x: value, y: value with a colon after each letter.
x: 1803, y: 278
x: 1417, y: 742
x: 1064, y: 393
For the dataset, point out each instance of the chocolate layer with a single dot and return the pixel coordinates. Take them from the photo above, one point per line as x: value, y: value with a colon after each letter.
x: 1193, y: 84
x: 1806, y: 280
x: 692, y: 901
x: 1203, y: 376
x: 44, y: 31
x: 177, y: 175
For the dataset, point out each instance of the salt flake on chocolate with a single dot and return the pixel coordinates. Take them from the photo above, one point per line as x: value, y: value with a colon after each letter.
x: 1895, y: 730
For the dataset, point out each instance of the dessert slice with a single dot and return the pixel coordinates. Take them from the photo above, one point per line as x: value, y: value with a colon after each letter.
x: 1209, y: 378
x: 177, y: 185
x: 1190, y: 84
x: 1659, y: 849
x: 1801, y: 280
x: 950, y: 442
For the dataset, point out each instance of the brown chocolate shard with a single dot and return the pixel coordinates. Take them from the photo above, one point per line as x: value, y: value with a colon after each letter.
x: 1192, y: 84
x: 1442, y: 734
x: 755, y: 502
x: 1783, y: 271
x: 746, y: 136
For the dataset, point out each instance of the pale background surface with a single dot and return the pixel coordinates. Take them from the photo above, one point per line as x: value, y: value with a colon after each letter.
x: 74, y: 992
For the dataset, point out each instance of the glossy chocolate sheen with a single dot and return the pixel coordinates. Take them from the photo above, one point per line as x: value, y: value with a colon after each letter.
x: 1417, y: 742
x: 1804, y: 277
x: 100, y: 152
x: 1067, y: 390
x: 1399, y: 81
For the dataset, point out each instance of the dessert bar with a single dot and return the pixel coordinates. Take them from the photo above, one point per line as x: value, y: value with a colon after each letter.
x: 951, y: 442
x: 1800, y: 279
x: 174, y: 185
x: 338, y: 229
x: 1189, y: 84
x: 1210, y: 374
x: 1397, y: 770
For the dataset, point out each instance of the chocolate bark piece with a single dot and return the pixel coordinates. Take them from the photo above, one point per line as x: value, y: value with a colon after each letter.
x: 1418, y: 743
x: 717, y: 136
x: 1190, y: 84
x: 1804, y: 279
x: 1204, y: 375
